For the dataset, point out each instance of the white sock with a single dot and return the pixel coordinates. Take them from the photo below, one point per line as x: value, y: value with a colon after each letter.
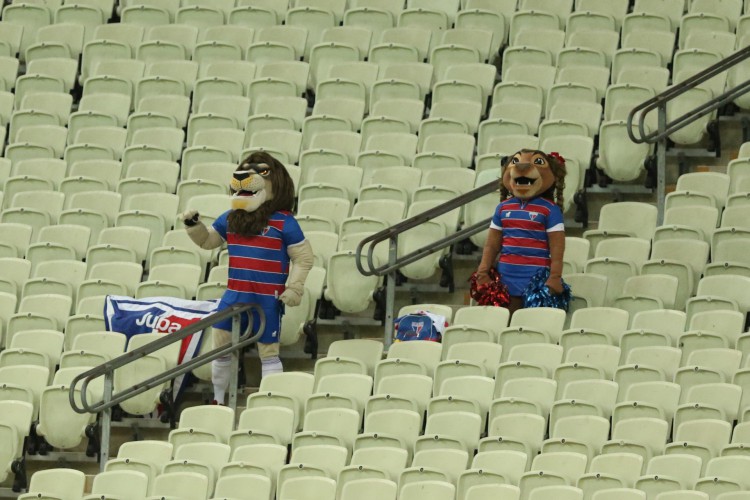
x: 270, y: 365
x: 220, y: 373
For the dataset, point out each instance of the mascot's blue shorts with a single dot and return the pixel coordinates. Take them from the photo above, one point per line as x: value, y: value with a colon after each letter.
x: 272, y: 331
x: 517, y: 278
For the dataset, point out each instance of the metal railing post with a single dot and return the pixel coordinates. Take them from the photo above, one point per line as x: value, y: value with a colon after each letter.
x: 106, y: 421
x: 661, y: 164
x: 235, y: 363
x: 390, y: 292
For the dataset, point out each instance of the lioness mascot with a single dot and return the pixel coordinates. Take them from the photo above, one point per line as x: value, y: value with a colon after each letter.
x: 263, y: 238
x: 526, y: 238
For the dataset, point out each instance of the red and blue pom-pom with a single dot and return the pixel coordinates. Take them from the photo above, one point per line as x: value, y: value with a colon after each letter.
x: 537, y: 294
x: 494, y: 293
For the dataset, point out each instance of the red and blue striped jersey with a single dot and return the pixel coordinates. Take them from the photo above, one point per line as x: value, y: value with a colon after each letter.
x: 259, y: 264
x: 525, y: 224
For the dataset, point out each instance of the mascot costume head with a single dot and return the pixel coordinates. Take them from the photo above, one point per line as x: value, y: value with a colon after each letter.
x: 531, y: 173
x: 260, y: 186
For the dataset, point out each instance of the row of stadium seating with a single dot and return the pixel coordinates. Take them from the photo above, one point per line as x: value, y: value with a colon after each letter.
x: 321, y: 417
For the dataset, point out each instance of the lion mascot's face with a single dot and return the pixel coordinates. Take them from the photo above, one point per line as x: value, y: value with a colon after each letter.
x: 260, y: 186
x: 249, y: 187
x: 530, y: 173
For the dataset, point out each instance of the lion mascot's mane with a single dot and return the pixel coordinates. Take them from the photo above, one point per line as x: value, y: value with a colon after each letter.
x: 555, y: 192
x: 281, y: 191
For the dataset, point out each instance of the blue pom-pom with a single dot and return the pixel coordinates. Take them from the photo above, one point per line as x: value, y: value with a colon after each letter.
x: 537, y: 294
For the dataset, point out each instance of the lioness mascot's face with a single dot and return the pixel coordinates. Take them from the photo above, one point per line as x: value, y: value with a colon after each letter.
x: 251, y: 186
x: 528, y: 174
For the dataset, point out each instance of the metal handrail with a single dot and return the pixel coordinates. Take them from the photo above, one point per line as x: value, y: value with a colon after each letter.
x: 395, y: 261
x: 661, y: 99
x: 416, y: 220
x: 107, y: 369
x: 665, y: 129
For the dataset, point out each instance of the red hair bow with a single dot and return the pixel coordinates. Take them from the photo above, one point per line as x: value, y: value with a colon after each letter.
x: 557, y: 156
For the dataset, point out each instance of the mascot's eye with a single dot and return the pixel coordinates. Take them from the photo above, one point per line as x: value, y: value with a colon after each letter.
x: 539, y: 161
x: 262, y: 171
x: 514, y: 159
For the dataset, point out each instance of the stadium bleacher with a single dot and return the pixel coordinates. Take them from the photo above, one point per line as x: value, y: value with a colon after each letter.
x: 115, y: 116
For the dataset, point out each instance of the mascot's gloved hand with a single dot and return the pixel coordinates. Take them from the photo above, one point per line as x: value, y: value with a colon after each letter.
x: 301, y: 256
x: 205, y: 237
x: 190, y: 218
x: 291, y: 296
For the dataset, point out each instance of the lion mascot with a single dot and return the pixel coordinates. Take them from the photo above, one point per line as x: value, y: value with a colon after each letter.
x: 262, y: 238
x: 526, y: 239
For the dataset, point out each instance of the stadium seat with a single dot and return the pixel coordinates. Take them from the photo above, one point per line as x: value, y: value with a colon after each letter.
x: 188, y: 485
x: 613, y: 221
x: 119, y: 483
x: 67, y: 483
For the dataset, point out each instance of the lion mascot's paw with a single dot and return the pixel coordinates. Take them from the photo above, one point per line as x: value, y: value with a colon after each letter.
x: 190, y: 218
x: 291, y: 297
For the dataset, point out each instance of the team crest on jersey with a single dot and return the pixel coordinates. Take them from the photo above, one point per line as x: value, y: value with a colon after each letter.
x: 533, y: 215
x: 265, y: 230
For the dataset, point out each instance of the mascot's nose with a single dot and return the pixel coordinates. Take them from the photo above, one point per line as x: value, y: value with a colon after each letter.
x: 522, y: 166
